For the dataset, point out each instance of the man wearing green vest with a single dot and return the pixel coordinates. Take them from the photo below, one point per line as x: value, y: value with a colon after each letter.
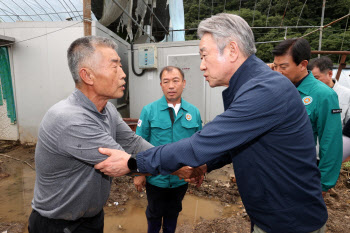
x: 291, y: 59
x: 164, y: 121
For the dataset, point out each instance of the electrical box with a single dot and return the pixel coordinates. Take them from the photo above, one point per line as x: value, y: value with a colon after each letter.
x: 147, y: 56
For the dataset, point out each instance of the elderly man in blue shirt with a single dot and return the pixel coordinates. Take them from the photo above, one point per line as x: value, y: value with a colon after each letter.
x: 264, y: 131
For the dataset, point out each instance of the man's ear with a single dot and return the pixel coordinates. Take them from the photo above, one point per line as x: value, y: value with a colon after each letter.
x: 233, y: 50
x: 330, y: 73
x: 303, y: 64
x: 86, y: 76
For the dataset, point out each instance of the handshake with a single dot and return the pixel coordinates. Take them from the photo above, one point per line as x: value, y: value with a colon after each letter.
x: 192, y: 174
x: 116, y: 165
x: 189, y: 174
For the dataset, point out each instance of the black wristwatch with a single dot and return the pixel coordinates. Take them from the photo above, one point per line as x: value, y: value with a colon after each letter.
x: 132, y: 164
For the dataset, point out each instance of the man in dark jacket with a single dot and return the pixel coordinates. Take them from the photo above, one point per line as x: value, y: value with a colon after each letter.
x: 265, y: 131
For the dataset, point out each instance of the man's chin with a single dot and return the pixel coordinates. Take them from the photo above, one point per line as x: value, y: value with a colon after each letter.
x: 119, y: 95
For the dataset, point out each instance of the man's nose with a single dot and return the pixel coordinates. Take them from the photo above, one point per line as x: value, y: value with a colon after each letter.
x: 202, y: 66
x: 123, y: 75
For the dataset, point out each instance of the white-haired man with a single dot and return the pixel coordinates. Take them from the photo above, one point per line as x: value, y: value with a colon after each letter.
x: 264, y: 131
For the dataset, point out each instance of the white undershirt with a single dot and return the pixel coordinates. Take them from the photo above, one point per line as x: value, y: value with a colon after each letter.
x: 176, y: 108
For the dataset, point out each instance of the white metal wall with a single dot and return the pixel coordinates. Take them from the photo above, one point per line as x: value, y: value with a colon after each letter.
x: 146, y: 89
x: 41, y: 75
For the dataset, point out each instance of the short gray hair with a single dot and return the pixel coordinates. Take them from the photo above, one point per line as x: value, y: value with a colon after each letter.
x: 83, y: 49
x: 227, y: 27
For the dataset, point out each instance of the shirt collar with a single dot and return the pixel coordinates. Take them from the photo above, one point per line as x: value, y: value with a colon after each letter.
x: 300, y: 81
x: 164, y: 104
x: 86, y: 102
x: 307, y: 83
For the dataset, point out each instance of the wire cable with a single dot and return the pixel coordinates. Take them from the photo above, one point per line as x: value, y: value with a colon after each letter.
x: 155, y: 16
x: 301, y: 12
x: 342, y: 42
x: 54, y: 10
x: 284, y: 14
x: 23, y: 10
x: 33, y: 10
x: 43, y: 10
x: 14, y: 14
x: 125, y: 12
x: 254, y: 12
x: 239, y: 11
x: 268, y: 13
x: 17, y: 42
x: 7, y: 15
x: 76, y: 9
x: 335, y: 21
x: 66, y: 10
x: 68, y: 7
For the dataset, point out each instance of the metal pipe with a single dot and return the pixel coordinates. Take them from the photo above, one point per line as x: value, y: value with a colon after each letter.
x: 118, y: 4
x: 342, y: 65
x: 87, y: 15
x: 322, y: 18
x: 283, y: 27
x: 331, y: 52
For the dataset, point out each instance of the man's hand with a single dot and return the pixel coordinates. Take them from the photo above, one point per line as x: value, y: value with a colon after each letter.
x: 192, y: 175
x: 139, y: 182
x: 116, y: 164
x: 271, y: 65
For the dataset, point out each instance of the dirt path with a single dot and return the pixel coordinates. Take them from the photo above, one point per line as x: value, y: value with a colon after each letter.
x: 217, y: 186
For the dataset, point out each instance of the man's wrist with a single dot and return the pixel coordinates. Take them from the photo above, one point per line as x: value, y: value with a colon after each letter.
x: 132, y: 164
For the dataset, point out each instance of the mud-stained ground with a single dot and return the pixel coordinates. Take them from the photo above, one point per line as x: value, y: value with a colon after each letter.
x: 218, y: 185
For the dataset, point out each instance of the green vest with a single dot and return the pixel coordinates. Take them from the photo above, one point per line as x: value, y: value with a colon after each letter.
x: 156, y: 127
x: 322, y: 106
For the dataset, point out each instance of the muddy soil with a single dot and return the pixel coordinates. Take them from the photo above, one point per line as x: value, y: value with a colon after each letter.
x: 218, y: 185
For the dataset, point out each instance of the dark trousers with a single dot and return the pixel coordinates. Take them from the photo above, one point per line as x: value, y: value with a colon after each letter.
x: 41, y: 224
x: 164, y: 204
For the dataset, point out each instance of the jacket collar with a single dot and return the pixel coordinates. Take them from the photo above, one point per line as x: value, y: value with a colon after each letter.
x: 239, y: 78
x: 163, y: 104
x: 307, y: 84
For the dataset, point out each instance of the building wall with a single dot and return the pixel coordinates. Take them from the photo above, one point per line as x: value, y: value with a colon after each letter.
x: 146, y: 89
x: 41, y: 76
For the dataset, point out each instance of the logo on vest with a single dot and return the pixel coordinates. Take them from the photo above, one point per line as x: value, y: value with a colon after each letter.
x: 336, y: 111
x: 188, y: 117
x: 139, y: 123
x: 307, y: 100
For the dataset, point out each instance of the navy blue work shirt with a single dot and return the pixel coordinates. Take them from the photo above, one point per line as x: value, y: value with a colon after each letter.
x: 266, y: 132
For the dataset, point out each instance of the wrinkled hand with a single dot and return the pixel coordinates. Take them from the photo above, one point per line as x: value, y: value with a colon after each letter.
x: 116, y: 164
x: 271, y: 65
x: 139, y: 182
x: 192, y: 175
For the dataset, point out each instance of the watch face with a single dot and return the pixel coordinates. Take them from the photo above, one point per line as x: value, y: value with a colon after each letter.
x: 132, y: 164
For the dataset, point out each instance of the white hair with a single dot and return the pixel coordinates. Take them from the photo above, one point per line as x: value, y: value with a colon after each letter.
x: 228, y: 27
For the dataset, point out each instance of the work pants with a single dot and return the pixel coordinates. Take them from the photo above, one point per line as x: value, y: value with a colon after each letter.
x: 41, y: 224
x: 164, y: 204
